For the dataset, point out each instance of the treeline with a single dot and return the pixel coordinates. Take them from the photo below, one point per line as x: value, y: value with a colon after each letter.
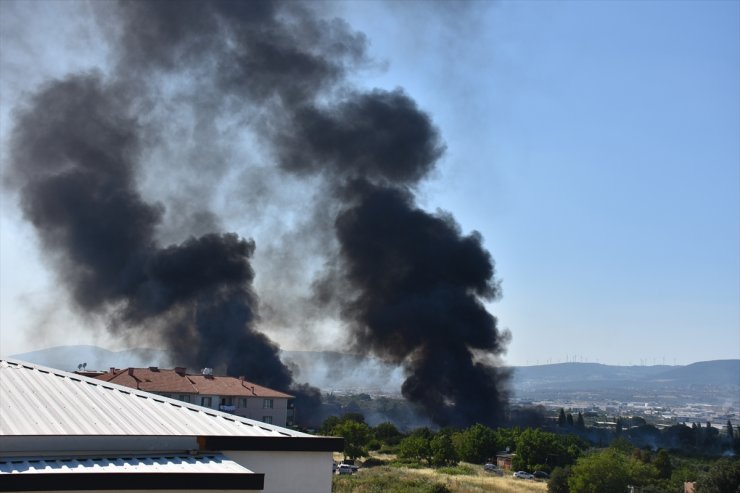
x: 535, y: 449
x: 623, y: 468
x: 631, y: 455
x: 694, y: 439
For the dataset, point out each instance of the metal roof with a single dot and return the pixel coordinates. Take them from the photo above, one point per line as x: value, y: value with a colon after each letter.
x: 213, y: 463
x: 35, y: 400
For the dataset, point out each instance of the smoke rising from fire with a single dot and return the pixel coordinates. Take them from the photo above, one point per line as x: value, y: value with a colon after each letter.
x: 408, y: 283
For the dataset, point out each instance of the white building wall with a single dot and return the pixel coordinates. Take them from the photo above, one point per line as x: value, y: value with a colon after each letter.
x: 140, y: 491
x: 289, y: 472
x: 255, y: 409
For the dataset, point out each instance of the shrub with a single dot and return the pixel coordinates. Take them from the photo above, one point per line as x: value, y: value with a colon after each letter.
x: 457, y: 470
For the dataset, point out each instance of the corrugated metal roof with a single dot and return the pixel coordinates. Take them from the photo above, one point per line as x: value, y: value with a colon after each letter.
x: 213, y: 463
x: 35, y: 400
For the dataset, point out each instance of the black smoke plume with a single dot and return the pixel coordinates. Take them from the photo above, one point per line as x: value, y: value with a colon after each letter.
x: 408, y: 283
x: 75, y: 153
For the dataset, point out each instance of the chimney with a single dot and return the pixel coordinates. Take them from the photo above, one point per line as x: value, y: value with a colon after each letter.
x: 112, y: 370
x: 180, y: 370
x: 253, y: 392
x: 131, y: 372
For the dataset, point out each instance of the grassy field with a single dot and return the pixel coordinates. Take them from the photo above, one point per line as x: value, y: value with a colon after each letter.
x: 468, y: 478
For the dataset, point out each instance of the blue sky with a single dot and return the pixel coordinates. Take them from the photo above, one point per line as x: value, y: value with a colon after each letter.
x: 595, y: 145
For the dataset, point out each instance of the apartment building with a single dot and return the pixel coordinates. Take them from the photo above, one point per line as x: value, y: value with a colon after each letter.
x: 235, y: 395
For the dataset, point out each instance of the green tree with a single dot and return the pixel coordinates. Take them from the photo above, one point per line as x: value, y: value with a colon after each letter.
x: 356, y: 437
x: 722, y: 477
x: 569, y: 419
x: 415, y: 447
x: 388, y: 433
x: 328, y: 426
x: 662, y: 463
x: 442, y: 450
x: 608, y: 471
x: 541, y: 450
x: 580, y: 423
x: 558, y: 482
x: 561, y: 418
x: 477, y: 444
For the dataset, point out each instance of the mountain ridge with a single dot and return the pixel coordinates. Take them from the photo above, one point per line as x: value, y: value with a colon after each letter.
x: 336, y: 370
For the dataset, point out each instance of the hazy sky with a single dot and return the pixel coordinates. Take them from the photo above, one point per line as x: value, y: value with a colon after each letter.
x: 594, y: 145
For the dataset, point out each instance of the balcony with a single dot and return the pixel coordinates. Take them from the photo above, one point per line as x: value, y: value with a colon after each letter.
x: 227, y: 408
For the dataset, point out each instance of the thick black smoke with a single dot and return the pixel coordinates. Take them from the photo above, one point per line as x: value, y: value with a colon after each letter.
x: 409, y: 283
x: 415, y: 283
x: 74, y: 152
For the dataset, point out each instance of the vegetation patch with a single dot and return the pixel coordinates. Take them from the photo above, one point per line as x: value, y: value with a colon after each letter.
x: 457, y: 470
x: 386, y: 480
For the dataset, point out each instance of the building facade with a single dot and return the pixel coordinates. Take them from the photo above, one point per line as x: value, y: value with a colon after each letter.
x: 228, y: 394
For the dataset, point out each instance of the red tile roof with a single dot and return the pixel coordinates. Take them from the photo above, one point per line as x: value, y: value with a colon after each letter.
x: 173, y: 382
x: 233, y: 387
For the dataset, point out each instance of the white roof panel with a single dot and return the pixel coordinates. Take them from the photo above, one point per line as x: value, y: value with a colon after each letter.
x: 212, y: 463
x: 35, y: 400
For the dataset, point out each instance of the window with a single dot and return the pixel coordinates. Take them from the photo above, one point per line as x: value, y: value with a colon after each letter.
x: 184, y: 398
x: 267, y: 404
x: 243, y: 402
x: 205, y: 401
x: 267, y: 419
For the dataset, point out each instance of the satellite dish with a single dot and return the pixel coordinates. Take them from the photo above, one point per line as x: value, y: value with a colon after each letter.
x: 84, y: 365
x: 79, y: 367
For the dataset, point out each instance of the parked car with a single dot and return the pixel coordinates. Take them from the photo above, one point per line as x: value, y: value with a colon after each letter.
x: 540, y: 475
x: 344, y: 469
x: 523, y: 475
x: 490, y: 467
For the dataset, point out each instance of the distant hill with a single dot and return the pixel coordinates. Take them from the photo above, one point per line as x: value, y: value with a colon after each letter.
x: 68, y: 357
x: 717, y: 372
x: 343, y: 372
x: 594, y: 376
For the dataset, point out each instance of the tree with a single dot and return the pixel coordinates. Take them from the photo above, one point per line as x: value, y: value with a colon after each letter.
x: 569, y: 419
x: 722, y: 477
x: 662, y: 463
x: 356, y: 437
x: 619, y: 426
x: 477, y: 444
x: 415, y: 447
x: 608, y: 471
x: 388, y: 433
x: 580, y: 423
x: 561, y: 418
x: 537, y: 449
x: 442, y: 451
x: 558, y: 482
x: 328, y: 426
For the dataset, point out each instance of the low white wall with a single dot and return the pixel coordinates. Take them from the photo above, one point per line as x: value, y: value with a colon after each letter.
x: 140, y: 491
x: 289, y: 472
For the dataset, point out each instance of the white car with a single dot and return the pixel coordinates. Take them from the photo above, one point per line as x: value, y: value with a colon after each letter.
x: 523, y: 475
